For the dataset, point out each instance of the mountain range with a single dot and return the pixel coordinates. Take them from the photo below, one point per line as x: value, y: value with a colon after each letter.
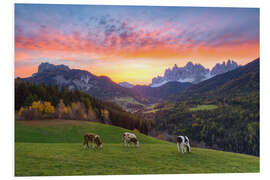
x: 103, y: 87
x: 243, y: 80
x: 193, y: 73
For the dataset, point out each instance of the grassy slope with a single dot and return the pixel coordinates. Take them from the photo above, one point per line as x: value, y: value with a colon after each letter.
x: 127, y: 100
x: 204, y: 107
x: 56, y: 149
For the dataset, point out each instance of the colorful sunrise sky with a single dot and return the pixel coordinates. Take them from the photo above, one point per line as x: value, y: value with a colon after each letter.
x: 132, y: 43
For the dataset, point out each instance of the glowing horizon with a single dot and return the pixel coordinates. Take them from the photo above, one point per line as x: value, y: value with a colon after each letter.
x: 132, y: 43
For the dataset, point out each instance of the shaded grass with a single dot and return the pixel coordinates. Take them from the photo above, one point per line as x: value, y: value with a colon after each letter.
x: 204, y: 107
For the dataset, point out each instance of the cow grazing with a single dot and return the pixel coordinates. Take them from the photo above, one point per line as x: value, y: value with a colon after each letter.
x: 129, y: 138
x: 93, y: 139
x: 183, y: 142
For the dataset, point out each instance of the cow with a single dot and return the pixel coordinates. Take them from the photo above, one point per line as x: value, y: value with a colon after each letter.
x: 129, y: 138
x: 183, y: 142
x: 93, y: 139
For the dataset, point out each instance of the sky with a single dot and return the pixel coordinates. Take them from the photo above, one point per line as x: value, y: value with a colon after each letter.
x: 132, y: 43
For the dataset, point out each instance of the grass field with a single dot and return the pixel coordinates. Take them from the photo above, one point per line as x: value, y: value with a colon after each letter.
x: 203, y: 107
x: 128, y: 100
x: 52, y: 148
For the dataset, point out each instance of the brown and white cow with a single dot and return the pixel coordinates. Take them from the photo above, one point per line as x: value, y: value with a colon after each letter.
x: 93, y: 139
x: 129, y: 138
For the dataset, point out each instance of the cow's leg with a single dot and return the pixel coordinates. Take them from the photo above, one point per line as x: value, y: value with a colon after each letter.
x: 188, y: 146
x: 92, y: 143
x: 182, y: 147
x: 84, y: 144
x: 124, y: 142
x: 178, y: 147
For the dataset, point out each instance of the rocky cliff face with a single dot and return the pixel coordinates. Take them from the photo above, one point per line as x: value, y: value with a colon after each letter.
x: 193, y: 73
x: 47, y: 67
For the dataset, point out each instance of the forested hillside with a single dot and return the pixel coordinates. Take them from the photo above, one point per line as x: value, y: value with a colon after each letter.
x: 229, y: 119
x: 40, y: 101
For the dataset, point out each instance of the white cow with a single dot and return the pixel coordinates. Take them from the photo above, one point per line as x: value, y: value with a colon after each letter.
x: 130, y: 138
x: 183, y: 142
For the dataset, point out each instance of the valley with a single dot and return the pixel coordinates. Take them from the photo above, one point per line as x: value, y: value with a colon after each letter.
x: 202, y: 111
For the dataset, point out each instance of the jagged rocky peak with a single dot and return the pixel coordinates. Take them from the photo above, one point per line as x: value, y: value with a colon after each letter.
x: 224, y: 67
x: 189, y: 65
x: 193, y: 73
x: 46, y: 67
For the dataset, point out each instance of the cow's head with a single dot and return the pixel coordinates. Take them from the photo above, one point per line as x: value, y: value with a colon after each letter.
x: 98, y: 141
x: 135, y: 141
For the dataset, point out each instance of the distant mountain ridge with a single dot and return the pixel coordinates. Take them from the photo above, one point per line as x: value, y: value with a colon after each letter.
x: 126, y: 84
x: 102, y: 87
x: 244, y: 79
x: 193, y: 73
x: 162, y: 92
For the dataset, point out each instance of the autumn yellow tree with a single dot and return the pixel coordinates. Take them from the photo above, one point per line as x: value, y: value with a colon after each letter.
x: 48, y: 108
x: 105, y: 115
x: 62, y: 110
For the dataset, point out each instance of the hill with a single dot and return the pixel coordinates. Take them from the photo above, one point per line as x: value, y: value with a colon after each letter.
x: 53, y: 148
x: 160, y: 93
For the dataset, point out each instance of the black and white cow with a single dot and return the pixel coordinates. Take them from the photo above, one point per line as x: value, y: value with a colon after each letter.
x: 183, y: 142
x: 130, y: 138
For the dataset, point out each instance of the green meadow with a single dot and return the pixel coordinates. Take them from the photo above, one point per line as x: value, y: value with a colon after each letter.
x: 203, y: 107
x: 54, y: 148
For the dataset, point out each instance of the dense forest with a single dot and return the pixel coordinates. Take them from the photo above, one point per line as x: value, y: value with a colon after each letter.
x: 40, y: 101
x: 232, y: 126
